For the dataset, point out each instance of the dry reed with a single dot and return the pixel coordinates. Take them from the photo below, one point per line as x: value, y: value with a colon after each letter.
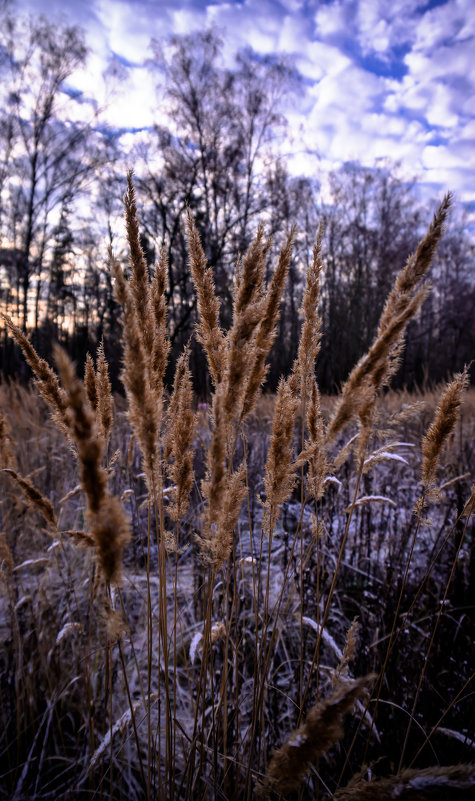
x: 280, y: 475
x: 179, y: 443
x: 309, y: 344
x: 266, y: 331
x: 209, y: 332
x: 442, y: 426
x: 7, y: 455
x: 322, y: 728
x: 105, y: 402
x: 34, y: 497
x: 46, y: 379
x: 404, y: 301
x: 109, y: 524
x: 90, y: 382
x: 144, y: 411
x: 454, y: 783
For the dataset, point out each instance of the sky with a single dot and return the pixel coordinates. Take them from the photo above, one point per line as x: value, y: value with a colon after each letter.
x: 383, y: 79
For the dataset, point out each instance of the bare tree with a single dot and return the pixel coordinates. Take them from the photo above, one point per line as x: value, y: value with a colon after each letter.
x: 46, y: 152
x: 215, y: 154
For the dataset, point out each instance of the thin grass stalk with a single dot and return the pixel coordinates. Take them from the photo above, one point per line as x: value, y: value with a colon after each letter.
x: 145, y: 699
x: 316, y: 655
x: 454, y: 700
x: 201, y: 688
x: 263, y: 666
x: 443, y: 424
x: 429, y: 647
x: 175, y: 680
x: 391, y: 641
x: 395, y: 636
x: 149, y: 661
x: 223, y: 691
x: 163, y: 623
x: 304, y: 370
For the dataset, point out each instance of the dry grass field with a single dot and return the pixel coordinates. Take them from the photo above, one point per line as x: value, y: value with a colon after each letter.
x: 262, y: 596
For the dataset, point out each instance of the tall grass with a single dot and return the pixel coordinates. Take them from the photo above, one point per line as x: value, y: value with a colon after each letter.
x: 249, y: 597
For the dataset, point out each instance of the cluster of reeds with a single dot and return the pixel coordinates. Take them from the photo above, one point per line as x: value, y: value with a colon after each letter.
x: 211, y: 664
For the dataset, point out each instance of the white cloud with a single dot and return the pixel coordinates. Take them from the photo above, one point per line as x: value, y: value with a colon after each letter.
x: 128, y: 27
x: 184, y: 20
x: 249, y: 24
x: 292, y: 34
x: 438, y: 25
x: 348, y: 112
x: 331, y: 19
x: 442, y: 157
x: 318, y: 59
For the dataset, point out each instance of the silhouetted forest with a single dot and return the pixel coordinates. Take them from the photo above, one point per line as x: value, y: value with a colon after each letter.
x: 62, y: 177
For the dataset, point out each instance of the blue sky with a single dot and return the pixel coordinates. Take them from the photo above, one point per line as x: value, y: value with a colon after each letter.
x: 384, y: 79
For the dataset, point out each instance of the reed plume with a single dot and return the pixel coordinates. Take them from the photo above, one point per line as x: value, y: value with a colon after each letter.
x: 341, y: 671
x: 322, y: 728
x: 144, y: 405
x: 310, y: 337
x: 46, y: 379
x: 314, y: 451
x: 7, y: 562
x: 280, y: 477
x: 224, y: 489
x: 7, y: 456
x: 105, y: 402
x: 416, y: 266
x: 161, y: 343
x: 108, y: 522
x: 358, y: 394
x: 266, y: 331
x: 237, y: 367
x: 404, y: 301
x: 221, y: 543
x: 442, y: 426
x: 454, y: 783
x: 146, y: 343
x: 34, y: 497
x: 90, y: 382
x: 247, y: 314
x: 179, y: 444
x: 209, y: 332
x: 139, y: 280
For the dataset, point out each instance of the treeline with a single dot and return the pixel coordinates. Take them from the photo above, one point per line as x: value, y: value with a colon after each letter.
x: 219, y: 152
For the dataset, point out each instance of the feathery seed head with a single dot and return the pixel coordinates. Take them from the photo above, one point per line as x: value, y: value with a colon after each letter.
x: 442, y: 426
x: 323, y: 726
